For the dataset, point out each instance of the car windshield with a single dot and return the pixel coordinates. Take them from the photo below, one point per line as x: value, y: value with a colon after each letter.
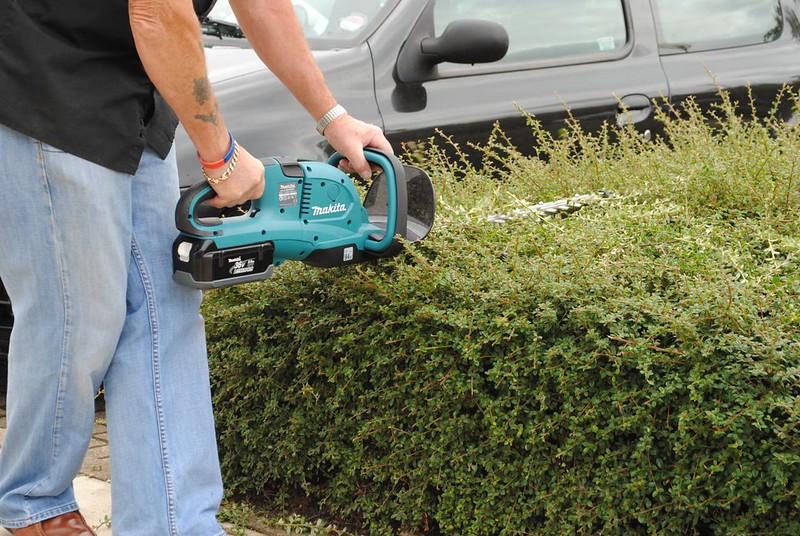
x: 325, y: 23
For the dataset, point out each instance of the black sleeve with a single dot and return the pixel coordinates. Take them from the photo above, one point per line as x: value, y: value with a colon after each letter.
x: 203, y: 7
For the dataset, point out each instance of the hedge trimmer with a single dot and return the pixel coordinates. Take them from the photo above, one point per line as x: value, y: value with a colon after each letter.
x: 309, y: 212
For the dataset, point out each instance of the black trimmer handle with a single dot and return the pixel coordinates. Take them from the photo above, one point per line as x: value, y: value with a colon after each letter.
x: 185, y: 211
x: 397, y: 216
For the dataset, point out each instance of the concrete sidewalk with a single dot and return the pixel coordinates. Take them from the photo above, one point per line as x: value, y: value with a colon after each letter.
x: 93, y: 486
x: 94, y: 496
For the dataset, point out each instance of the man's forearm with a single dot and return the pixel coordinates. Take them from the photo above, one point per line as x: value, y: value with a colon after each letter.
x: 169, y: 42
x: 271, y: 26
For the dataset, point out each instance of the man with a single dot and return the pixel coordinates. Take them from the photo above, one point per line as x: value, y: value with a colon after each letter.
x: 89, y: 183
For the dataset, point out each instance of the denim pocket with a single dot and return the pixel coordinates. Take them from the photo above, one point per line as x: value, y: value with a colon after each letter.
x: 47, y: 148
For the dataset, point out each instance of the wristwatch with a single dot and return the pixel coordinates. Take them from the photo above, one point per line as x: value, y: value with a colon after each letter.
x: 326, y: 119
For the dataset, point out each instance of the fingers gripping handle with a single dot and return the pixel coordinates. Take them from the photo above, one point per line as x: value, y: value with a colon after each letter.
x: 397, y: 211
x: 186, y: 212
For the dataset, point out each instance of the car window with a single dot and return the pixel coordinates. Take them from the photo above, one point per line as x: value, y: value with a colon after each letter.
x: 695, y: 25
x: 545, y: 29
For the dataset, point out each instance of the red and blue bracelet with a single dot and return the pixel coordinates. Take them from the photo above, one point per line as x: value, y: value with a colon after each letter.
x: 224, y: 160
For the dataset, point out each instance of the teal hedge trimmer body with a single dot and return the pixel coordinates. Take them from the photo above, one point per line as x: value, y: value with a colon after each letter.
x: 310, y: 212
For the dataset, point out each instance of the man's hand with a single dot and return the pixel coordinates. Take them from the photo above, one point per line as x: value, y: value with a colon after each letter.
x: 245, y: 183
x: 349, y: 136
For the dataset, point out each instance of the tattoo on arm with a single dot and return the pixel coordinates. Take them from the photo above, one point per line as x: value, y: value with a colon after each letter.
x: 211, y: 117
x: 202, y: 94
x: 202, y: 90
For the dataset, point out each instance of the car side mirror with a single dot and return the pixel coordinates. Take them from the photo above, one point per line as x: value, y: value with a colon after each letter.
x: 465, y: 41
x: 409, y: 98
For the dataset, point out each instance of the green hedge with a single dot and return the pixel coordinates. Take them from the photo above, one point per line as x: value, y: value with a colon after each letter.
x: 633, y: 368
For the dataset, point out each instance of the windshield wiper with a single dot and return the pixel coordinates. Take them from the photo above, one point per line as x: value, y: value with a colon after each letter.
x: 222, y: 29
x: 684, y: 47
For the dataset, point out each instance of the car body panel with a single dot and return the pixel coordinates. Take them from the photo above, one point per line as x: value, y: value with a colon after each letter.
x: 764, y: 68
x: 225, y: 63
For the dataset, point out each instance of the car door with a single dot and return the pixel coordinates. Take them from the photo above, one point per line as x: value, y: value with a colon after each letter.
x: 707, y: 45
x: 584, y: 58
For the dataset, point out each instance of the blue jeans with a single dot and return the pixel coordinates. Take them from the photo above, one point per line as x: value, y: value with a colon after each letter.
x: 85, y: 255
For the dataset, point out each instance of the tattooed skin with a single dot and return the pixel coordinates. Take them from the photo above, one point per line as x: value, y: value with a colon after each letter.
x: 202, y: 94
x: 209, y: 118
x: 202, y: 90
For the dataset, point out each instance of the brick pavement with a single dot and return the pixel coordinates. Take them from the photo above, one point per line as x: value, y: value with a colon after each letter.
x: 97, y: 463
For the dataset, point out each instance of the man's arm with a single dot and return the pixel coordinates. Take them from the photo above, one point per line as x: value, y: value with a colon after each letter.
x: 170, y: 45
x: 271, y: 26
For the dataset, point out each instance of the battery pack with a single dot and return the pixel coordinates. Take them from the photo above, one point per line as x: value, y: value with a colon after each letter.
x: 198, y: 263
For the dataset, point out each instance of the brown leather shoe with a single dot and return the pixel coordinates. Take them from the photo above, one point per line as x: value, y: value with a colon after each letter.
x: 71, y: 524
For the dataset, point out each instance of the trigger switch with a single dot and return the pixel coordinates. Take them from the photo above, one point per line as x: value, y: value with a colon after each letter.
x: 290, y: 168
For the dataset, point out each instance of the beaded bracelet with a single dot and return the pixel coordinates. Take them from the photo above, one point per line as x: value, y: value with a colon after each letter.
x: 222, y: 161
x: 227, y: 173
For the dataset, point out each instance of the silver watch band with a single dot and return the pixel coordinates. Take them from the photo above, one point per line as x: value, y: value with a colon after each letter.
x: 332, y: 114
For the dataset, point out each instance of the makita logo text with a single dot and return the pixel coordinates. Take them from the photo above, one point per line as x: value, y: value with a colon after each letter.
x: 333, y: 208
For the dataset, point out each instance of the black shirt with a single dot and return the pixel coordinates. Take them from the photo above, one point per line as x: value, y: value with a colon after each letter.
x: 70, y: 77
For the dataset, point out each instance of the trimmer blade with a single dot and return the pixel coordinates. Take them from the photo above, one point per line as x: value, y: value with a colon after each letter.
x: 421, y: 203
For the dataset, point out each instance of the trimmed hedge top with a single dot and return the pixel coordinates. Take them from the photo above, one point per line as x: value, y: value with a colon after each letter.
x: 633, y: 368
